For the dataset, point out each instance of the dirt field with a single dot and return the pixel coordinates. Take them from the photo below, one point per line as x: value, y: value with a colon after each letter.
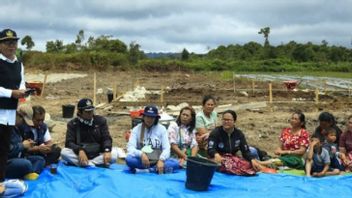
x: 261, y: 126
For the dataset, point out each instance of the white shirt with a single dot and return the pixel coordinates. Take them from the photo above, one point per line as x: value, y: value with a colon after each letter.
x: 156, y: 136
x: 47, y: 136
x: 8, y: 116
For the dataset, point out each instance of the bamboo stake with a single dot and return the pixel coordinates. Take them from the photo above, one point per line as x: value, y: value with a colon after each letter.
x: 94, y: 88
x: 43, y: 87
x: 253, y: 86
x: 161, y: 94
x: 234, y: 83
x: 316, y: 96
x: 270, y: 93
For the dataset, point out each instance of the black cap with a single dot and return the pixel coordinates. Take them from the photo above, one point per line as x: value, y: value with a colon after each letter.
x: 8, y: 34
x: 85, y: 104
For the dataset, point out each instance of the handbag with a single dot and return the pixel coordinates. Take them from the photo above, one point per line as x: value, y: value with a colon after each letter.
x: 155, y: 154
x: 91, y: 149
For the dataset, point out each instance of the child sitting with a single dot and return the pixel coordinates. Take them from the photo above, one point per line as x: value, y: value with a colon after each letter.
x: 318, y: 161
x: 330, y: 145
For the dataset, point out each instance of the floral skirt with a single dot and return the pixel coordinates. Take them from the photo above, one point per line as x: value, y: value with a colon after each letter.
x: 232, y: 164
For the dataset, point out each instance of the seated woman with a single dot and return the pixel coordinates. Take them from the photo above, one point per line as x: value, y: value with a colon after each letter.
x: 326, y: 120
x: 205, y: 123
x: 346, y: 146
x: 148, y: 146
x: 294, y: 142
x: 182, y: 135
x: 223, y: 144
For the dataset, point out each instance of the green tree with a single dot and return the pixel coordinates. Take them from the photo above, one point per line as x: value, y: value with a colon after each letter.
x: 27, y: 40
x: 185, y: 54
x: 54, y: 46
x: 134, y: 52
x: 79, y: 39
x: 265, y: 31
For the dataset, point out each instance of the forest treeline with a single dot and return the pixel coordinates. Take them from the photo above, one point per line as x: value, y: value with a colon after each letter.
x: 106, y: 52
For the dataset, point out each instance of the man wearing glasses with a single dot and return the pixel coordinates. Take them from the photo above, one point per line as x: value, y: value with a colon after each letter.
x: 12, y: 87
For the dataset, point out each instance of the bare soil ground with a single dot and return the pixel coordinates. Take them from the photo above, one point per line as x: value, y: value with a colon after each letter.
x: 261, y: 126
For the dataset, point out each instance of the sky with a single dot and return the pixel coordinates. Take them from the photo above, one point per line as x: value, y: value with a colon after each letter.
x: 172, y: 25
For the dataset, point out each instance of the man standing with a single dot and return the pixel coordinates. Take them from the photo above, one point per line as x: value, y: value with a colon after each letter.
x: 40, y: 134
x: 12, y: 86
x: 88, y: 141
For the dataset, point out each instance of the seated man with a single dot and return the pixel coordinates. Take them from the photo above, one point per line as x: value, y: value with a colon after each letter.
x: 40, y: 134
x: 19, y: 166
x: 88, y: 141
x: 148, y: 145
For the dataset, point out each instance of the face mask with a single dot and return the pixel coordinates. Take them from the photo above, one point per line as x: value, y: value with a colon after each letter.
x: 85, y: 121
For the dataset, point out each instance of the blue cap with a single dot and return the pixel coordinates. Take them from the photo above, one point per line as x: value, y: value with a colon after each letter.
x: 150, y: 111
x: 85, y: 104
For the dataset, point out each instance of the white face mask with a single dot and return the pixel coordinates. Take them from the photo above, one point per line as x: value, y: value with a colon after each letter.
x: 85, y: 121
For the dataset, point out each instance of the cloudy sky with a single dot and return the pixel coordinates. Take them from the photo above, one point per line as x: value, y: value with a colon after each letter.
x: 171, y: 25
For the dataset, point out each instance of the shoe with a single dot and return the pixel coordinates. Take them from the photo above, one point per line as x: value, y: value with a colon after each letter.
x: 31, y: 176
x: 16, y: 184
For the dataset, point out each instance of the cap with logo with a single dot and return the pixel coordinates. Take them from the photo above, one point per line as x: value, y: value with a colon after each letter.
x: 8, y: 34
x: 85, y: 104
x: 151, y: 111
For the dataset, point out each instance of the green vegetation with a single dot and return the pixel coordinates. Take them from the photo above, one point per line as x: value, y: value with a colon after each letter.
x: 106, y: 52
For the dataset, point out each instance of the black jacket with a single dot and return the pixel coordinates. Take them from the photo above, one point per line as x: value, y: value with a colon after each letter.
x: 220, y: 142
x: 97, y: 133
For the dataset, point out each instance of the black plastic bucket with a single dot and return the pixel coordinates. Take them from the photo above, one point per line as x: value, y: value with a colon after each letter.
x: 110, y: 96
x: 68, y: 110
x: 199, y: 173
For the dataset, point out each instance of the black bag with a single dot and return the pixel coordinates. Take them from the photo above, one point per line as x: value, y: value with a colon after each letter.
x: 92, y: 150
x: 153, y: 156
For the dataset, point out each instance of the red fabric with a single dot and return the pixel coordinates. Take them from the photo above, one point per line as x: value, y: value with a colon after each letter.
x: 349, y: 165
x: 235, y: 165
x: 346, y: 141
x: 294, y: 142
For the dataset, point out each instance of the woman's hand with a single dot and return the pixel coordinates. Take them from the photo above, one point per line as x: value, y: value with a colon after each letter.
x: 145, y: 160
x: 217, y: 158
x: 256, y: 166
x: 278, y: 151
x: 160, y: 166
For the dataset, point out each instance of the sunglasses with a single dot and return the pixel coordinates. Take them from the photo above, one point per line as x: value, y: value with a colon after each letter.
x: 10, y: 42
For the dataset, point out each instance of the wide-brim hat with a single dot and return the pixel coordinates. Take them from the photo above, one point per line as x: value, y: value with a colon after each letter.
x: 151, y: 111
x: 8, y: 34
x: 26, y: 112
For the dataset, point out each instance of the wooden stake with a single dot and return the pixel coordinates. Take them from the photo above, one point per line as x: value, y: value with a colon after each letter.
x: 316, y: 96
x: 270, y: 93
x: 94, y: 88
x: 162, y: 95
x: 253, y: 86
x: 43, y: 87
x: 234, y: 83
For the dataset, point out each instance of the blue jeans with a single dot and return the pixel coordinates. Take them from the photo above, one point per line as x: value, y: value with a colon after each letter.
x: 136, y: 162
x: 19, y: 167
x: 254, y: 152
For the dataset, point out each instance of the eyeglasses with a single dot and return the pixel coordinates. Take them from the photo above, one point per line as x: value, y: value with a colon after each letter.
x: 227, y: 120
x: 10, y: 42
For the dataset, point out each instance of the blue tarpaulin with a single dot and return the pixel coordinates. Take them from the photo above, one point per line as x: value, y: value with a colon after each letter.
x: 77, y: 182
